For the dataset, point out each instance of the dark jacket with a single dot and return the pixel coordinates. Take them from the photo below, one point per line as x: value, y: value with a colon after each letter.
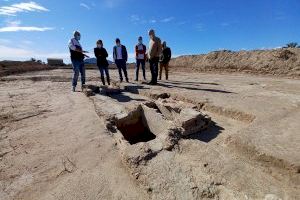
x: 101, y: 55
x: 75, y: 55
x: 124, y: 53
x: 166, y: 55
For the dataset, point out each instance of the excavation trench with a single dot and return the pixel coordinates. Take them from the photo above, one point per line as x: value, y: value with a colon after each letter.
x: 161, y: 123
x: 134, y: 127
x: 164, y: 120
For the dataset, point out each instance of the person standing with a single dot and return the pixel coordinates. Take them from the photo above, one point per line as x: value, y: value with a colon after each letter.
x: 140, y: 53
x: 77, y: 57
x: 102, y: 63
x: 153, y: 55
x: 120, y: 56
x: 164, y: 60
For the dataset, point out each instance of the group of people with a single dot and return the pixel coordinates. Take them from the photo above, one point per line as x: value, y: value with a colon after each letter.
x: 158, y: 53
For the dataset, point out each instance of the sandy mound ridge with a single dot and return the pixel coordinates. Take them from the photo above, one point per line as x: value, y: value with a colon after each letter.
x: 16, y: 67
x: 279, y: 62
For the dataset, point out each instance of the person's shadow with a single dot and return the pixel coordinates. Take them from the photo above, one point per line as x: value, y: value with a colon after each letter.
x: 124, y: 98
x: 170, y: 85
x: 135, y: 88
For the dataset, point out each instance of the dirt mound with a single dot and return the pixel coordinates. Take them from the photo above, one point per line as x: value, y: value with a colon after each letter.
x: 16, y: 67
x: 279, y: 62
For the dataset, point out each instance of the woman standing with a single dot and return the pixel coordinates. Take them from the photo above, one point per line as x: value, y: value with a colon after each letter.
x: 101, y: 55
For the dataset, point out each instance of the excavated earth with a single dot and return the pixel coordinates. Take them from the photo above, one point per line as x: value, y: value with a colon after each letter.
x: 196, y: 136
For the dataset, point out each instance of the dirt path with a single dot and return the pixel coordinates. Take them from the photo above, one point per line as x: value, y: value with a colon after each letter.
x: 55, y: 145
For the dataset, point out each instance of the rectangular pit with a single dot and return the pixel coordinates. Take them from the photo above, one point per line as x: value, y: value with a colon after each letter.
x: 134, y: 127
x: 148, y: 122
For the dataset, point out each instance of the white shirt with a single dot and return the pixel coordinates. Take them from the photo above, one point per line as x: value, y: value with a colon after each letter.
x: 140, y: 56
x: 73, y: 43
x: 119, y: 53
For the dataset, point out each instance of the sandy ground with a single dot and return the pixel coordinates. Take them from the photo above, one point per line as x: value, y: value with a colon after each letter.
x: 283, y: 62
x: 54, y: 145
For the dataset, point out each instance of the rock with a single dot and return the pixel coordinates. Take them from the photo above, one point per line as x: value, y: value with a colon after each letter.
x: 271, y: 197
x: 168, y: 107
x: 159, y: 95
x: 192, y: 121
x: 88, y: 92
x: 155, y: 121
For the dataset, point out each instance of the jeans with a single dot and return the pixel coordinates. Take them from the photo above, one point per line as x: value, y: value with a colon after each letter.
x: 121, y: 64
x: 104, y: 70
x: 154, y: 69
x: 78, y: 67
x: 162, y: 66
x: 137, y: 68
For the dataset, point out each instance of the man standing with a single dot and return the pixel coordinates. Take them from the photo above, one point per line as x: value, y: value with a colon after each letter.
x: 164, y: 60
x: 120, y: 57
x: 153, y: 55
x: 77, y: 57
x: 140, y: 53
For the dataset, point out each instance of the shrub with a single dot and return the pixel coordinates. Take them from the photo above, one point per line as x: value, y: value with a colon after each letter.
x: 292, y: 45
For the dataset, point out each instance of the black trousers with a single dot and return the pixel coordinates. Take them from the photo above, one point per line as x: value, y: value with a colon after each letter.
x: 154, y: 69
x: 121, y: 64
x: 104, y: 70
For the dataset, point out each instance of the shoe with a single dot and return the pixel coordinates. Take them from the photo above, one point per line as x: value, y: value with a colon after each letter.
x: 74, y: 89
x: 153, y: 83
x: 83, y: 87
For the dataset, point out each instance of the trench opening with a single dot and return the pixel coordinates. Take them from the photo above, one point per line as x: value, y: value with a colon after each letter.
x: 134, y: 128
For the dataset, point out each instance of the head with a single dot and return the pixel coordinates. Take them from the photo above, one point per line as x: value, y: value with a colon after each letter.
x: 118, y: 42
x: 140, y: 39
x: 164, y: 44
x: 151, y: 33
x: 99, y: 44
x: 77, y: 35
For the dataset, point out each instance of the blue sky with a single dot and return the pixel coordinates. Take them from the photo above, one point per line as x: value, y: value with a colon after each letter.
x: 42, y: 28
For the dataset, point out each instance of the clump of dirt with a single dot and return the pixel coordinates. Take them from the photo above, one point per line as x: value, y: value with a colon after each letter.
x: 278, y: 62
x: 285, y: 54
